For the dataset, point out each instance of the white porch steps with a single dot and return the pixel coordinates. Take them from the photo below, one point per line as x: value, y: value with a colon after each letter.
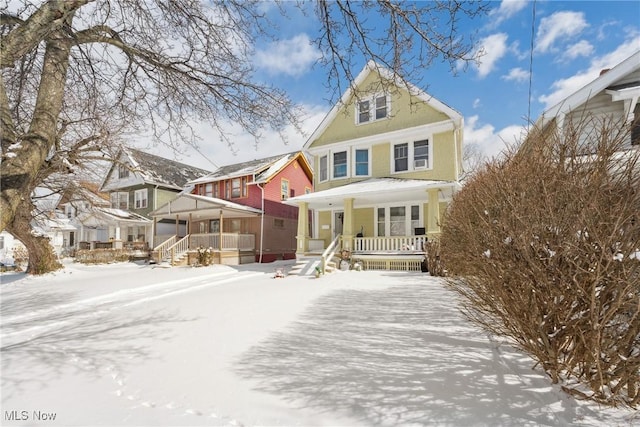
x: 305, y: 266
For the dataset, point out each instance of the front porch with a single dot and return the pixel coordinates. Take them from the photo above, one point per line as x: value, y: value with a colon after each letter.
x: 382, y: 223
x: 224, y: 228
x: 398, y: 253
x: 226, y: 248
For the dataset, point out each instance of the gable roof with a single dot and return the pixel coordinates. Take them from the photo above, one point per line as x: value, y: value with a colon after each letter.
x: 263, y: 170
x: 84, y: 191
x: 156, y: 170
x: 386, y: 74
x: 606, y: 80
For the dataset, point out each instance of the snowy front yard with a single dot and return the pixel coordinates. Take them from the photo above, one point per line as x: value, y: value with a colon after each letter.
x: 131, y: 344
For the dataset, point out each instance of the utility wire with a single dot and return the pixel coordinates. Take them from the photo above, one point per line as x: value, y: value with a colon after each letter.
x: 533, y: 30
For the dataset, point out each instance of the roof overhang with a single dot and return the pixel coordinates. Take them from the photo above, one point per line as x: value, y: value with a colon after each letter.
x: 200, y: 207
x: 376, y: 191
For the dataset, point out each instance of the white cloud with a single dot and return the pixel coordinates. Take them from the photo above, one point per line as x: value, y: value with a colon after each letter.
x: 558, y: 27
x: 492, y: 48
x: 564, y: 87
x: 491, y: 143
x: 476, y: 103
x: 516, y: 75
x: 582, y: 48
x: 244, y: 146
x: 292, y: 56
x: 507, y: 9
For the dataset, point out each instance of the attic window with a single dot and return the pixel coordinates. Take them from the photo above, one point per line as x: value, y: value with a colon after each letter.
x: 373, y: 108
x: 123, y: 171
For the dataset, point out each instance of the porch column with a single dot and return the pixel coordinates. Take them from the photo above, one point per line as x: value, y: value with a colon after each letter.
x: 189, y: 229
x: 303, y: 228
x: 117, y: 241
x: 177, y: 226
x: 220, y: 236
x: 433, y: 220
x: 347, y: 225
x: 154, y: 230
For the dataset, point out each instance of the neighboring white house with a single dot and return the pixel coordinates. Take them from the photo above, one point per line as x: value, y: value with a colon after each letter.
x: 8, y: 244
x: 613, y: 95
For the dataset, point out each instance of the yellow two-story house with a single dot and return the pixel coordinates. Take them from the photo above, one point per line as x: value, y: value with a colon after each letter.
x: 387, y: 159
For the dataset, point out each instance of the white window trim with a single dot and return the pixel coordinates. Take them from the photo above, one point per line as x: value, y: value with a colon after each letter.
x: 372, y: 108
x: 118, y: 195
x: 407, y: 220
x: 347, y: 160
x: 369, y: 160
x: 320, y: 167
x: 410, y: 160
x: 145, y: 198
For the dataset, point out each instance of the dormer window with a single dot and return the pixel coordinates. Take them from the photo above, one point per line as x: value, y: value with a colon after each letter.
x: 373, y: 108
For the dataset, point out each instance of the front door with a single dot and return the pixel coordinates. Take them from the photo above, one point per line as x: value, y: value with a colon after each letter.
x: 338, y: 218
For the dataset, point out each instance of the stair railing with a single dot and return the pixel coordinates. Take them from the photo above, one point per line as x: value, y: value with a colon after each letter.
x: 329, y: 253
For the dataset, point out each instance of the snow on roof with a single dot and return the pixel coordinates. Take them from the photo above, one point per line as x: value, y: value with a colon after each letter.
x: 263, y: 169
x: 121, y: 215
x: 158, y: 170
x: 375, y: 186
x: 376, y: 190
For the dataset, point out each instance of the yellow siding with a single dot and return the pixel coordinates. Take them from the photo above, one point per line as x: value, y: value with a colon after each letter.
x: 406, y: 111
x: 324, y: 218
x: 381, y: 161
x: 363, y: 218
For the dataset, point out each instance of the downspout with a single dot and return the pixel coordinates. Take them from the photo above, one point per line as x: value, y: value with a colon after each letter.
x: 456, y: 148
x: 261, y: 222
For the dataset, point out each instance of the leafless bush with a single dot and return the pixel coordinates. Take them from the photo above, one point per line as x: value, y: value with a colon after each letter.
x: 432, y: 252
x: 102, y: 256
x: 544, y: 247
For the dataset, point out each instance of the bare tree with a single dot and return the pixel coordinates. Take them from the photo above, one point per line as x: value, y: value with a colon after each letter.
x: 77, y: 74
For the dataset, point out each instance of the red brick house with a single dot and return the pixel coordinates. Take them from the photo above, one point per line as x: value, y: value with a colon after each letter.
x: 238, y: 211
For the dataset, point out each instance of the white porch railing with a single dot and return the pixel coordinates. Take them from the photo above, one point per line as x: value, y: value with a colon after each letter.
x: 162, y: 249
x: 230, y: 241
x: 178, y: 249
x: 159, y: 239
x: 389, y: 244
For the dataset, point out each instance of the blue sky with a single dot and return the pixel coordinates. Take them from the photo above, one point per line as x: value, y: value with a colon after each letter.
x: 573, y: 42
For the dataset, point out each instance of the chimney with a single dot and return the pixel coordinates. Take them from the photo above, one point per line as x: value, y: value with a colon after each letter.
x: 604, y: 71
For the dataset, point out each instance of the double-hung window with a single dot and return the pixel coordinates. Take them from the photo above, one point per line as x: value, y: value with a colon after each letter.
x: 411, y: 156
x: 373, y: 108
x: 208, y: 189
x: 123, y: 171
x: 323, y: 168
x: 141, y: 198
x: 421, y: 154
x: 340, y: 164
x: 120, y: 200
x: 401, y: 157
x: 235, y: 188
x: 284, y: 189
x: 362, y: 162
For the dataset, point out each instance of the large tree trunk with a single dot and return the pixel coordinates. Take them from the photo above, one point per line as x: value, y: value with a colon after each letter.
x: 42, y: 258
x: 21, y: 163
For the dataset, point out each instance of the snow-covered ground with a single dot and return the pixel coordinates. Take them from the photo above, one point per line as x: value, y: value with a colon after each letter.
x: 132, y: 344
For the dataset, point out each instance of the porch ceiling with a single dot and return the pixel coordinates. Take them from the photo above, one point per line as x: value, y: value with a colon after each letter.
x: 202, y: 207
x: 376, y: 191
